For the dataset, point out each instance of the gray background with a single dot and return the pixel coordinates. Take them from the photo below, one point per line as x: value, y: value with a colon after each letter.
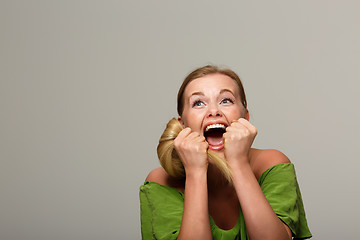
x: 86, y: 88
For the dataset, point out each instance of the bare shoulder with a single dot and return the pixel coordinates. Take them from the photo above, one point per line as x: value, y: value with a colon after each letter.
x: 160, y: 176
x: 263, y: 159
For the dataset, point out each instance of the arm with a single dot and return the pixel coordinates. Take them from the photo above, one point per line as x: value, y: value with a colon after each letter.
x: 261, y: 221
x: 195, y: 223
x: 191, y: 148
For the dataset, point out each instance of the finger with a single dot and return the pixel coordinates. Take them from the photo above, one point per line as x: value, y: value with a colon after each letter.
x: 247, y: 124
x: 193, y: 136
x: 235, y: 129
x: 235, y: 126
x: 200, y: 139
x: 184, y: 133
x: 243, y: 122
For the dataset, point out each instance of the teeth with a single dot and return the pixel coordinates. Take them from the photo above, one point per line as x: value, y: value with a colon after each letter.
x: 214, y: 126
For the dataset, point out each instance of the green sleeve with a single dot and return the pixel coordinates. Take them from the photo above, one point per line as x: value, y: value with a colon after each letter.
x: 281, y: 189
x: 161, y: 209
x: 145, y: 215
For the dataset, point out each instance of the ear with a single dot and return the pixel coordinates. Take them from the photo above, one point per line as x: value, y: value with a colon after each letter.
x: 181, y: 121
x: 247, y: 115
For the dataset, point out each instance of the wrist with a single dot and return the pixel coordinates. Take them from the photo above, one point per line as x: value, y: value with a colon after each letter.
x: 239, y: 164
x: 196, y: 174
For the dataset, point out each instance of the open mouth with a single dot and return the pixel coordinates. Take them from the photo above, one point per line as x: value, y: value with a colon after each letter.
x: 214, y: 136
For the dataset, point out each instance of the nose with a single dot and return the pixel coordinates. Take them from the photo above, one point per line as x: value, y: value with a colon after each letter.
x: 214, y: 111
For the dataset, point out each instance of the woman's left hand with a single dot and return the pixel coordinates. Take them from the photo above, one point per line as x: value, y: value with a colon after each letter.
x: 239, y: 137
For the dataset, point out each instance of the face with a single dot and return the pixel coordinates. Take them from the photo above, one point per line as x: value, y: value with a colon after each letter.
x: 210, y: 104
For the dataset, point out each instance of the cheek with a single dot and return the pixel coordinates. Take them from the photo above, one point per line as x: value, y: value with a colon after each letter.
x: 192, y: 119
x: 234, y: 113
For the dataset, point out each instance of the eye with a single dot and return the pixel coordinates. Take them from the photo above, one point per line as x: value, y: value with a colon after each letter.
x: 198, y: 103
x: 227, y: 101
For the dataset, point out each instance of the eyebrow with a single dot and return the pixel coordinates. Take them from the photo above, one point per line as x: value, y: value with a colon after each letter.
x: 197, y: 93
x: 227, y: 90
x: 221, y: 92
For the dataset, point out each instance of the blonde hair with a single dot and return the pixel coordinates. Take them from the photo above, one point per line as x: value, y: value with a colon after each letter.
x: 170, y: 160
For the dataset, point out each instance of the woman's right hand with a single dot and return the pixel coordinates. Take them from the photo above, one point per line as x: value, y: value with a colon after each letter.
x: 192, y: 150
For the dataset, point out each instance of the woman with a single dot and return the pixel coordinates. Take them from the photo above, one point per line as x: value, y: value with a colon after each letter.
x: 212, y: 183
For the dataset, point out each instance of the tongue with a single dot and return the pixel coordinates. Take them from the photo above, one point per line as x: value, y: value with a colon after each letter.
x: 215, y: 138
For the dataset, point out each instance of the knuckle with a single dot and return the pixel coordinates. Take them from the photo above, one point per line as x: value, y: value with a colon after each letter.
x: 255, y: 131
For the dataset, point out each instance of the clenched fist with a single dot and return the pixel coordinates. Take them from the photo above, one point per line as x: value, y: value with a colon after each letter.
x: 192, y: 150
x: 239, y: 137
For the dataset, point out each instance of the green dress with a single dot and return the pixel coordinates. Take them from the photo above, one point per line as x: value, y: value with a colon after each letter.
x: 162, y: 207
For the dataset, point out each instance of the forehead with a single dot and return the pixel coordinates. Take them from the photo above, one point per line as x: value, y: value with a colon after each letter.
x: 212, y: 83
